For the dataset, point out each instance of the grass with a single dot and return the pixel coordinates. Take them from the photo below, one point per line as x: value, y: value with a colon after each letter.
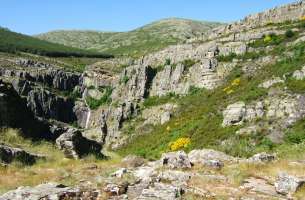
x: 54, y: 168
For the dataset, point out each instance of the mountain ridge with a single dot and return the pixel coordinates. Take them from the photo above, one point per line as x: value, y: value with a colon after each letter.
x: 151, y: 37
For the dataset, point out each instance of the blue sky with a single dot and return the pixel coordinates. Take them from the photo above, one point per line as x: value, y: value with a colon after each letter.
x: 38, y: 16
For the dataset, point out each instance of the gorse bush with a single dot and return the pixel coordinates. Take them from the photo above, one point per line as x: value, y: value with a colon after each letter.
x: 179, y: 144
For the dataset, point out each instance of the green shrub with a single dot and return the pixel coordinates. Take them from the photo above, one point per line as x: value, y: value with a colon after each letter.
x: 289, y: 33
x: 124, y: 80
x: 188, y: 63
x: 167, y: 62
x: 105, y: 99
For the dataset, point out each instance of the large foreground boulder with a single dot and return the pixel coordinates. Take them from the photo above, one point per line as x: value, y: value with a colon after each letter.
x: 74, y: 145
x: 9, y: 154
x: 52, y: 191
x: 287, y: 184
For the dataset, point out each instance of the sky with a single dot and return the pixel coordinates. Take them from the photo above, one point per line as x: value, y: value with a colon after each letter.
x: 39, y: 16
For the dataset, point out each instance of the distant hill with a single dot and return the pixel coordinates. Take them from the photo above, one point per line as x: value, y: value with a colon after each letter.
x: 13, y: 42
x: 148, y: 38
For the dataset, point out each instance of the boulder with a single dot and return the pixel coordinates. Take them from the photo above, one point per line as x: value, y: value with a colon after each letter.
x: 74, y: 145
x: 205, y: 155
x: 234, y: 114
x: 287, y: 184
x: 44, y: 191
x: 178, y: 177
x: 9, y: 154
x: 262, y: 157
x: 161, y: 191
x: 177, y: 159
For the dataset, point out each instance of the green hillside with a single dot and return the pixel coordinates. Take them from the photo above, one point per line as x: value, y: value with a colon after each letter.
x: 138, y: 42
x: 13, y: 42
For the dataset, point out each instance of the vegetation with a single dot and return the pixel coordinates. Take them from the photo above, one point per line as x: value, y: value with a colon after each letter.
x: 200, y: 114
x: 55, y: 168
x: 12, y: 42
x: 105, y: 99
x: 136, y: 43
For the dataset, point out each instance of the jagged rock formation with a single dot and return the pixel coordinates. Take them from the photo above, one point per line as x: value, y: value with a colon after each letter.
x: 14, y: 113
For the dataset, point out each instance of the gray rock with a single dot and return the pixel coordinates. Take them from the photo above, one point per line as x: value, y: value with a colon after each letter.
x: 116, y: 189
x: 260, y: 186
x: 158, y: 114
x: 45, y: 104
x: 9, y: 154
x: 161, y: 191
x: 217, y: 164
x: 119, y: 173
x: 82, y: 113
x: 74, y: 145
x: 271, y: 82
x: 178, y: 177
x: 203, y: 155
x: 262, y: 157
x: 299, y: 74
x: 51, y: 191
x: 287, y: 184
x: 177, y: 159
x: 234, y: 114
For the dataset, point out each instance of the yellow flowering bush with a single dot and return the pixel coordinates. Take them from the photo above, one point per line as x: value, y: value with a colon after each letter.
x: 267, y: 38
x: 303, y: 18
x: 236, y: 82
x: 230, y: 88
x: 179, y: 143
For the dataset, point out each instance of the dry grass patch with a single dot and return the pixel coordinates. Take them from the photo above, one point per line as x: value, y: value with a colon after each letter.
x: 54, y: 168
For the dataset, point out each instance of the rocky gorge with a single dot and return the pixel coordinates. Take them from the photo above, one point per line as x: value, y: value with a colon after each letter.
x: 206, y: 115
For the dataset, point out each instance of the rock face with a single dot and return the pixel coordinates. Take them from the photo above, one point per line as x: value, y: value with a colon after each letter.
x: 9, y: 154
x: 286, y: 184
x: 47, y: 105
x: 158, y: 114
x: 46, y: 74
x: 74, y: 145
x: 44, y: 191
x: 14, y: 113
x: 170, y: 79
x: 271, y: 82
